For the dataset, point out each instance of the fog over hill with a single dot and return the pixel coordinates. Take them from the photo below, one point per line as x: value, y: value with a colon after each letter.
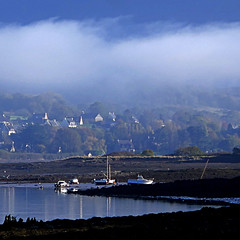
x: 168, y: 70
x: 112, y: 60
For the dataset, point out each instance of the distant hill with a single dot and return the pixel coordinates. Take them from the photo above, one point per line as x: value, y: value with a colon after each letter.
x: 25, y: 105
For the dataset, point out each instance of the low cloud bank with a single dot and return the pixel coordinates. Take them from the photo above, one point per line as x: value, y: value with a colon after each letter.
x: 56, y: 55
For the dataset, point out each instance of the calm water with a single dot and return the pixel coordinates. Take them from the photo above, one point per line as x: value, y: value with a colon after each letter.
x: 29, y: 201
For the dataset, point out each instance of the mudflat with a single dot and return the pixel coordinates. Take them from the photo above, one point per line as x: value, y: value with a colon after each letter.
x: 161, y: 168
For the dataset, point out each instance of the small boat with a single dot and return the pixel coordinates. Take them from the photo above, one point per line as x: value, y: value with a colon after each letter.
x: 140, y: 180
x: 107, y: 180
x: 104, y: 181
x: 61, y: 184
x: 74, y: 181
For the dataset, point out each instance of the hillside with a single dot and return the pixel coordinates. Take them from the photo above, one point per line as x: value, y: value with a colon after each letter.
x: 25, y: 105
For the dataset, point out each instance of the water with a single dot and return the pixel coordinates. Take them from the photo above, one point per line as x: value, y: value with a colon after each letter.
x: 23, y: 201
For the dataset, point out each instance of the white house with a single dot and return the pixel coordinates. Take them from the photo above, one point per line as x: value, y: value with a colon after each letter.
x: 98, y: 118
x: 68, y: 122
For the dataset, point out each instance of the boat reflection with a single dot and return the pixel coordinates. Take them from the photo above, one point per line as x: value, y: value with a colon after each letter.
x: 61, y: 190
x: 46, y: 205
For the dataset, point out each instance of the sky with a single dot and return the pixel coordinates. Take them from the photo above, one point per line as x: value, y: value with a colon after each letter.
x: 96, y: 48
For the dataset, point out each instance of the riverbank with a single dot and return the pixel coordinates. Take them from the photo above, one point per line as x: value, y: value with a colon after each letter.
x: 208, y: 223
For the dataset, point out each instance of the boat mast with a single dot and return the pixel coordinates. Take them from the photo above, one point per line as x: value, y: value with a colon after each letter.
x: 107, y: 169
x: 109, y: 172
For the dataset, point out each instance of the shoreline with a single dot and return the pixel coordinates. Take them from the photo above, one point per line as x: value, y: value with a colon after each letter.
x: 217, y: 222
x: 208, y: 223
x: 206, y: 191
x: 157, y: 191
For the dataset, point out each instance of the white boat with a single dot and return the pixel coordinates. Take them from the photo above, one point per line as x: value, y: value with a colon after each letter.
x: 140, y: 180
x: 61, y: 184
x: 74, y: 181
x: 107, y: 180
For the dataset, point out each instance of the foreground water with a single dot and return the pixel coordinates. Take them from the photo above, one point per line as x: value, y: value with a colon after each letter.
x: 23, y: 201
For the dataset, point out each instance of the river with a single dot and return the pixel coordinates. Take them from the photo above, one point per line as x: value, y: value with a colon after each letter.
x: 28, y: 200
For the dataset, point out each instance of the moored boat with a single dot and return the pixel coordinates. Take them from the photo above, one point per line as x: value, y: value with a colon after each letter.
x: 107, y: 180
x: 61, y: 184
x: 104, y: 181
x: 140, y: 180
x: 74, y: 181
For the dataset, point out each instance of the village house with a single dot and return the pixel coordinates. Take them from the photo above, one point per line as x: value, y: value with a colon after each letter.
x: 68, y: 122
x: 99, y: 118
x: 6, y: 126
x: 112, y: 116
x: 52, y: 123
x: 72, y: 122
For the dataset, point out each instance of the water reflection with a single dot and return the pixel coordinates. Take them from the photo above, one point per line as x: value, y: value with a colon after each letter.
x: 46, y: 205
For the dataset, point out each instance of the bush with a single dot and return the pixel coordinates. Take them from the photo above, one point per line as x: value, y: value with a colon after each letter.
x: 189, y: 151
x: 236, y: 151
x: 147, y: 152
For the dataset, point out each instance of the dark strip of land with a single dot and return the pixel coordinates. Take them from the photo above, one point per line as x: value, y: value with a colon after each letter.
x: 205, y: 188
x: 208, y: 223
x: 161, y: 168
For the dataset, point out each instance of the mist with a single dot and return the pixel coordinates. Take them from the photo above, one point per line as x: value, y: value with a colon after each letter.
x: 107, y: 60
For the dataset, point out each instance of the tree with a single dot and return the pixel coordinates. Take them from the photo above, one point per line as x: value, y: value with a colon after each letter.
x: 120, y: 131
x: 197, y: 133
x: 166, y: 138
x: 36, y: 136
x: 236, y: 150
x: 228, y: 143
x: 147, y: 152
x: 188, y: 151
x: 68, y: 139
x: 96, y: 108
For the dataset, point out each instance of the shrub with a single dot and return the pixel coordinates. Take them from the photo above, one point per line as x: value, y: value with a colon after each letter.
x: 147, y: 152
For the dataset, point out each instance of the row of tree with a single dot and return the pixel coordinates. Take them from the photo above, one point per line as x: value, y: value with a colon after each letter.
x: 161, y: 129
x: 207, y: 134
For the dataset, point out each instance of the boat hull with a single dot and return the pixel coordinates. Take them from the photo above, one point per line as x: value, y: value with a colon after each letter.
x: 104, y: 181
x: 136, y: 182
x: 140, y: 181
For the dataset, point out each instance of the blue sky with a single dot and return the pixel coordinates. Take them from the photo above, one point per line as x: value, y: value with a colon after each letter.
x: 190, y: 11
x: 117, y: 45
